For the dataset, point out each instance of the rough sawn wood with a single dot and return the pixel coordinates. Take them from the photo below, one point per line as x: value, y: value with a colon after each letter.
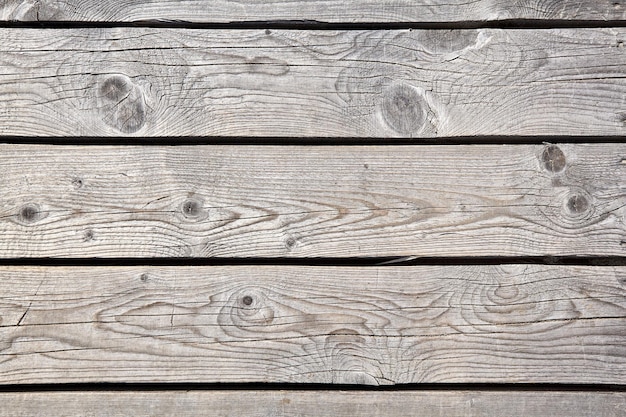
x: 335, y: 11
x: 308, y: 324
x: 306, y: 202
x: 286, y: 83
x: 422, y: 403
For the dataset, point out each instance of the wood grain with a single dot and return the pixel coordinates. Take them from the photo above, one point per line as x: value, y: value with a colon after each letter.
x: 314, y: 403
x: 306, y: 202
x: 347, y: 11
x: 369, y: 325
x: 280, y: 83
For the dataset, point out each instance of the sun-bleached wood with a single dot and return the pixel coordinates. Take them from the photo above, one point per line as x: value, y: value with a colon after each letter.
x: 320, y: 201
x: 309, y: 324
x: 286, y: 83
x: 420, y: 403
x: 336, y: 11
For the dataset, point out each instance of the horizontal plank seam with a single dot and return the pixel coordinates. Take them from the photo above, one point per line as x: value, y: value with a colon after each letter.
x: 306, y: 141
x: 348, y: 262
x: 320, y: 25
x: 83, y: 387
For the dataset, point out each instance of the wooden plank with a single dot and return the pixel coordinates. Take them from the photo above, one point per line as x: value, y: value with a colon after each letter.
x: 305, y: 202
x: 350, y: 11
x: 368, y: 325
x: 314, y: 403
x: 406, y: 83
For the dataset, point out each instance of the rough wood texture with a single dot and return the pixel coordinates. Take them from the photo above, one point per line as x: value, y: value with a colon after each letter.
x: 314, y: 403
x: 158, y: 82
x: 372, y: 325
x: 301, y: 202
x: 351, y: 11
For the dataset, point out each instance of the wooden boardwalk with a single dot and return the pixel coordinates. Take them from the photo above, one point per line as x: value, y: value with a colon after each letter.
x: 336, y: 208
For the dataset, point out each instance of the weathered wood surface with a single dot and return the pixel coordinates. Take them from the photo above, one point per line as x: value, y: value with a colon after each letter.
x: 314, y: 403
x: 303, y: 202
x: 351, y: 11
x: 370, y: 325
x: 159, y: 82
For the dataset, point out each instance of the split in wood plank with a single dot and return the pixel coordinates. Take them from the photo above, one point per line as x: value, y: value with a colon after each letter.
x: 370, y: 325
x: 314, y: 403
x: 334, y: 11
x: 400, y: 83
x: 306, y: 202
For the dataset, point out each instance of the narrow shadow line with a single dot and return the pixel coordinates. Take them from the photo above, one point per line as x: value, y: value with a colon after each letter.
x: 339, y: 262
x: 305, y: 141
x: 321, y: 25
x: 147, y: 387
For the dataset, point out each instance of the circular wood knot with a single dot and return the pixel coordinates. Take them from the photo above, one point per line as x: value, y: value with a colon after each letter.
x: 247, y: 308
x: 290, y: 243
x: 88, y: 235
x: 29, y: 213
x: 77, y: 183
x: 144, y: 277
x: 191, y: 208
x: 577, y: 204
x: 122, y: 104
x: 553, y: 159
x: 404, y: 109
x: 247, y: 300
x: 577, y: 207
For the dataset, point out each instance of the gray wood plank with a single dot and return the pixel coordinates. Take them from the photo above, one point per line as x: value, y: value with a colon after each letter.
x: 305, y: 202
x: 314, y: 403
x: 369, y: 325
x: 409, y: 83
x: 346, y: 11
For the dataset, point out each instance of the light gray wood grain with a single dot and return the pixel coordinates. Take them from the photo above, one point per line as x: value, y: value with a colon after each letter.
x: 369, y: 325
x: 304, y: 202
x: 314, y: 403
x: 350, y: 11
x: 413, y: 84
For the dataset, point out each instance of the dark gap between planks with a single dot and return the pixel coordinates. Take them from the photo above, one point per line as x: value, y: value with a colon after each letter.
x: 318, y: 25
x: 508, y: 387
x: 347, y: 262
x: 307, y: 141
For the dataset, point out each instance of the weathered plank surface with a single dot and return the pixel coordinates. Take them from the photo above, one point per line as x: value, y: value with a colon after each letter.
x: 225, y: 11
x: 157, y: 82
x: 273, y: 201
x: 314, y: 403
x: 371, y: 325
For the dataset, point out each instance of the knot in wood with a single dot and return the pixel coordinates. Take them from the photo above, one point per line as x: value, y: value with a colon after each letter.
x: 290, y: 242
x: 577, y: 204
x: 191, y: 208
x: 404, y: 109
x: 122, y: 104
x: 29, y: 213
x: 247, y: 300
x: 553, y: 159
x: 88, y: 235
